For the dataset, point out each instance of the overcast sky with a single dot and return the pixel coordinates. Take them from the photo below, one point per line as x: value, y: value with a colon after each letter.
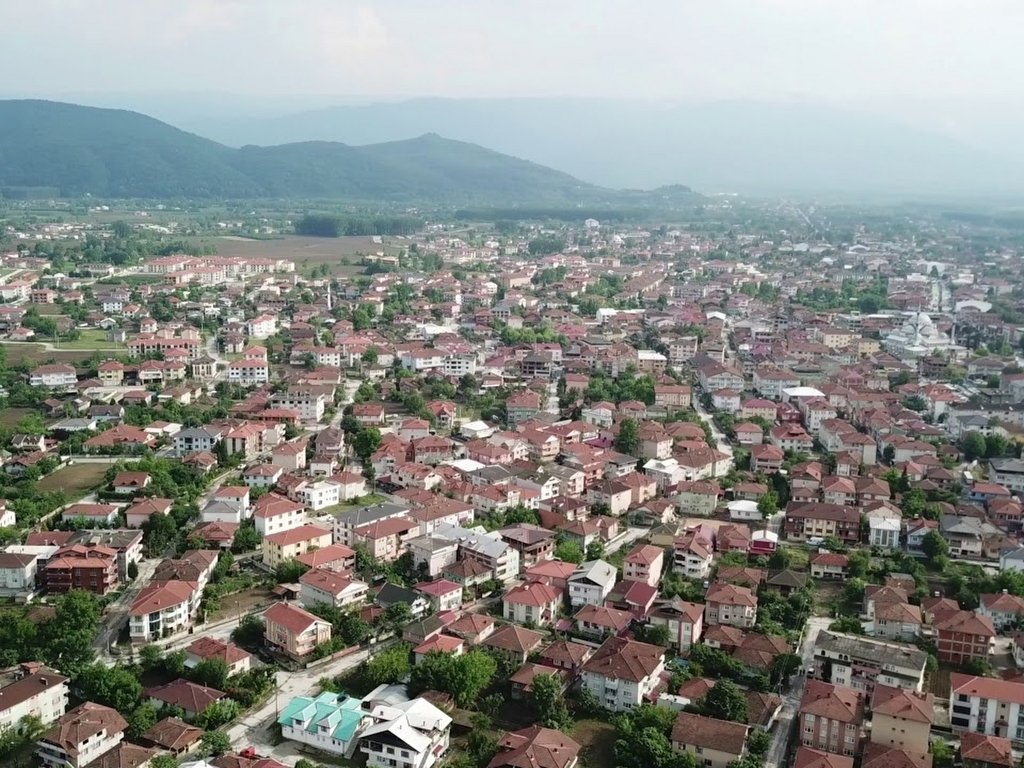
x: 843, y: 50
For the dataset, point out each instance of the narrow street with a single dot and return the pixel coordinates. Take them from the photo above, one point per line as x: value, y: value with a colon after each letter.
x: 716, y: 433
x: 791, y: 699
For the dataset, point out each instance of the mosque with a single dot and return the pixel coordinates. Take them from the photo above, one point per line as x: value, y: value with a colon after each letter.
x: 918, y: 337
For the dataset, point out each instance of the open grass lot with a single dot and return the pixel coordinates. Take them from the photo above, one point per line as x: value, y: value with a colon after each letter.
x: 75, y: 480
x: 598, y: 742
x: 92, y: 338
x: 33, y: 354
x: 11, y: 416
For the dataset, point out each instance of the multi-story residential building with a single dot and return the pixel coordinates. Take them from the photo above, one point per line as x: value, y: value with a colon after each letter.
x: 1003, y: 609
x: 33, y: 690
x: 289, y: 544
x: 622, y: 672
x: 485, y: 549
x: 831, y: 718
x: 730, y: 604
x: 308, y: 403
x: 694, y: 556
x: 330, y: 722
x: 531, y: 541
x: 321, y: 585
x: 413, y: 734
x: 533, y: 603
x: 84, y: 734
x: 685, y: 622
x: 204, y: 648
x: 644, y: 563
x: 93, y: 568
x: 17, y: 572
x: 591, y: 583
x: 979, y: 750
x: 987, y: 705
x: 294, y: 631
x: 818, y: 520
x: 53, y: 375
x: 715, y: 743
x: 901, y: 718
x: 1008, y: 473
x: 861, y: 662
x: 387, y: 539
x: 197, y: 439
x: 248, y: 372
x: 964, y: 635
x: 163, y: 608
x: 273, y: 513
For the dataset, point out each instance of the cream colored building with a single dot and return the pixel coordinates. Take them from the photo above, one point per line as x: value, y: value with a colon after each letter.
x: 283, y: 546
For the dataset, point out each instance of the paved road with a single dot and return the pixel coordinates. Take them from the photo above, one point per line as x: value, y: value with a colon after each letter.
x: 791, y: 700
x: 716, y: 433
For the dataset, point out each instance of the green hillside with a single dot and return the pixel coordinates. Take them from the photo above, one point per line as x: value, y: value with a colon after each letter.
x: 115, y: 153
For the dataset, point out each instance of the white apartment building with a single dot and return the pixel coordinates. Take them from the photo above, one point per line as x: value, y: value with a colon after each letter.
x: 249, y: 372
x: 987, y: 705
x: 17, y: 574
x: 320, y: 494
x: 42, y: 694
x: 163, y: 608
x: 309, y: 405
x: 55, y: 375
x: 412, y: 734
x: 591, y: 583
x: 81, y: 736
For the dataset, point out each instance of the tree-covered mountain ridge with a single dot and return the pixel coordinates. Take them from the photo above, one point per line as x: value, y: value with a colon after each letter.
x: 77, y: 150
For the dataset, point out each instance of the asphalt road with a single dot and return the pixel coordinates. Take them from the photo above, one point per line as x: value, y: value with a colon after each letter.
x: 791, y: 700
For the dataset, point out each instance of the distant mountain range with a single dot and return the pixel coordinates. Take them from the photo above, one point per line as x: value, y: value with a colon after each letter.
x: 115, y: 153
x: 747, y: 147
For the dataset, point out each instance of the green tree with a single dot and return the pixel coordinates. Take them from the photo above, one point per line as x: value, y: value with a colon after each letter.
x: 68, y: 637
x: 849, y: 624
x: 212, y: 672
x: 974, y: 445
x: 218, y: 713
x: 464, y: 676
x: 759, y: 742
x: 158, y: 532
x: 595, y: 549
x: 628, y: 439
x: 215, y: 743
x: 141, y: 720
x: 365, y: 442
x: 250, y: 631
x: 569, y: 552
x: 942, y: 753
x: 247, y: 538
x: 934, y: 546
x: 768, y: 504
x: 389, y: 666
x: 724, y: 701
x: 115, y: 687
x: 548, y: 702
x: 164, y: 761
x: 290, y: 571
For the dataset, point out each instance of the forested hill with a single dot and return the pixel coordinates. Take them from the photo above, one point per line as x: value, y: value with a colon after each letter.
x: 78, y: 150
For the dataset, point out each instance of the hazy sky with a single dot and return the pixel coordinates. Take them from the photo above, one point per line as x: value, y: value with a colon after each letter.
x: 845, y: 50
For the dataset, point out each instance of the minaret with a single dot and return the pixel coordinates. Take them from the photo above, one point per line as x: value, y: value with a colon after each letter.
x: 329, y: 295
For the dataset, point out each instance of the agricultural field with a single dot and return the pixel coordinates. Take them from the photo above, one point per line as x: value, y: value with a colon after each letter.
x: 75, y: 480
x: 11, y: 416
x: 306, y: 252
x: 34, y: 354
